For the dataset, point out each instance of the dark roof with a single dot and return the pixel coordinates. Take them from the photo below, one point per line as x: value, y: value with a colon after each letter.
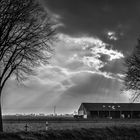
x: 111, y: 106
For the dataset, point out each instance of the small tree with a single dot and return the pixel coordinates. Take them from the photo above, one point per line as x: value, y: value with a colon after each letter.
x: 132, y: 75
x: 25, y: 40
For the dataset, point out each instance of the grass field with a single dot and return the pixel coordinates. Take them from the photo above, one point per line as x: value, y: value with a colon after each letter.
x: 112, y: 133
x: 72, y: 130
x: 37, y: 125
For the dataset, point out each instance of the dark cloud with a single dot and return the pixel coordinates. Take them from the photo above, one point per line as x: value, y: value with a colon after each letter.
x: 94, y: 36
x: 115, y: 66
x: 95, y: 17
x: 88, y: 84
x: 104, y: 57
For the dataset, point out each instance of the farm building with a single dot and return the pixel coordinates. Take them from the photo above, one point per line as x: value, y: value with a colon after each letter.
x: 109, y: 110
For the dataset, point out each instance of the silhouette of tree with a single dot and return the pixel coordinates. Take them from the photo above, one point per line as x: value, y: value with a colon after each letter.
x: 132, y: 75
x: 26, y: 35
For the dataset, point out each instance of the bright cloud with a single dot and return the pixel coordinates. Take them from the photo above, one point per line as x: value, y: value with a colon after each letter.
x: 112, y: 35
x: 113, y: 54
x: 74, y: 69
x: 82, y: 40
x: 87, y: 50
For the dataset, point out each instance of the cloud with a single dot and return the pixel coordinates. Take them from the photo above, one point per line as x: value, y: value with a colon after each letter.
x: 85, y: 52
x: 55, y: 19
x: 82, y: 59
x: 100, y: 16
x: 88, y: 83
x: 90, y: 87
x: 75, y: 73
x: 115, y: 66
x: 112, y: 35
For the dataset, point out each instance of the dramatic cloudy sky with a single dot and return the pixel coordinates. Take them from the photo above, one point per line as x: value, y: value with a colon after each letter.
x: 94, y: 36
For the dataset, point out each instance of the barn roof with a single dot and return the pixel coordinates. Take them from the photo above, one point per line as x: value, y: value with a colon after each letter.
x: 111, y: 106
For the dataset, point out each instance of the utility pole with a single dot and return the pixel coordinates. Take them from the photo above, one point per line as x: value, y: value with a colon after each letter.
x: 54, y: 110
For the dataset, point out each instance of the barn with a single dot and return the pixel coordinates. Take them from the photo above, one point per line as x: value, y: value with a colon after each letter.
x: 109, y: 110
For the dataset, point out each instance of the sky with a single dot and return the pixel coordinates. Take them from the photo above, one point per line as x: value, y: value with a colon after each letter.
x: 94, y: 37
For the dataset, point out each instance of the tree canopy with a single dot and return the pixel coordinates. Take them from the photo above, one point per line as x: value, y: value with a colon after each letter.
x: 26, y: 34
x: 132, y: 75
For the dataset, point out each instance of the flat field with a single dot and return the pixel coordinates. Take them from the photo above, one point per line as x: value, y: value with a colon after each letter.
x: 40, y: 125
x: 71, y: 130
x: 112, y: 133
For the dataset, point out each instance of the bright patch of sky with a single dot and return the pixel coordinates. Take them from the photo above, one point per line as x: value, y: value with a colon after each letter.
x: 76, y: 65
x: 112, y: 35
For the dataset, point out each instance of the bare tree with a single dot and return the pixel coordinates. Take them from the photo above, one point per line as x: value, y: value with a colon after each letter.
x: 132, y: 75
x: 25, y: 40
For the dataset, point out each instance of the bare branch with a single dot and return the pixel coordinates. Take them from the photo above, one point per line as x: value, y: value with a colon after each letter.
x: 25, y: 38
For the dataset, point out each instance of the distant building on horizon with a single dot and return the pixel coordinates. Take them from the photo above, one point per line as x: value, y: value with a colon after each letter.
x: 109, y: 110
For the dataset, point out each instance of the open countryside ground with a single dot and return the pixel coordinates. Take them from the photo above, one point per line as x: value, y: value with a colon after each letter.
x: 36, y: 125
x: 112, y: 133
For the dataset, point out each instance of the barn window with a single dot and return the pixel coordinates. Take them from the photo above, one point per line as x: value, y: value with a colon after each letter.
x: 113, y: 107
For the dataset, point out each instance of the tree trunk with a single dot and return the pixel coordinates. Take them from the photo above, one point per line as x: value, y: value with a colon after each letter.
x: 1, y: 124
